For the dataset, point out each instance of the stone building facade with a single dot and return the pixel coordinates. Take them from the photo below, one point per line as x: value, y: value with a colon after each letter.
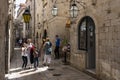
x: 94, y: 34
x: 33, y: 18
x: 9, y: 34
x: 39, y: 19
x: 55, y: 25
x: 95, y: 39
x: 3, y: 22
x: 11, y: 14
x: 22, y: 31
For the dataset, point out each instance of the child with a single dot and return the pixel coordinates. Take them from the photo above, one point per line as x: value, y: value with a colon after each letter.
x: 36, y: 61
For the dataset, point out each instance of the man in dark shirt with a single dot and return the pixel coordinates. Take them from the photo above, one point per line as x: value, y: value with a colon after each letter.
x: 57, y: 45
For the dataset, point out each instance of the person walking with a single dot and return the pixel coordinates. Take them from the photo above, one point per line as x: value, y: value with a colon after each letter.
x: 20, y: 42
x: 36, y: 61
x: 24, y: 56
x: 57, y: 46
x: 30, y: 48
x: 66, y: 51
x: 42, y: 50
x: 48, y: 50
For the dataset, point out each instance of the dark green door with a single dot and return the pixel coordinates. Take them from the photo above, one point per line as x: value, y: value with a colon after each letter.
x: 86, y: 40
x: 91, y: 57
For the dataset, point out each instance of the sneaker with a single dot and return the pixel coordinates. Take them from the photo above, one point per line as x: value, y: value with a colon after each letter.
x: 48, y: 64
x: 44, y: 64
x: 35, y: 68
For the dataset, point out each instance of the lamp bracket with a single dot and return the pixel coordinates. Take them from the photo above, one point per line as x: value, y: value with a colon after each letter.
x: 83, y: 4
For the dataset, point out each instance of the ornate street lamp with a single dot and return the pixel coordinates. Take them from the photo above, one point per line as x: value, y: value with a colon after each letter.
x: 54, y: 11
x: 26, y: 16
x: 74, y: 10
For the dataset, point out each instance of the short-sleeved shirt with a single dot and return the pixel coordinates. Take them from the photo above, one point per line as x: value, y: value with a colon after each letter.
x: 24, y: 51
x: 57, y: 42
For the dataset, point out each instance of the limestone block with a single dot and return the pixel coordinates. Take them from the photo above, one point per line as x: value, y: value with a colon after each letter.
x: 115, y: 74
x: 111, y: 29
x: 115, y: 21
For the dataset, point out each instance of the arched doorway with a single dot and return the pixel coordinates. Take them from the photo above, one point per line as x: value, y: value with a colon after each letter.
x: 86, y: 40
x: 45, y: 34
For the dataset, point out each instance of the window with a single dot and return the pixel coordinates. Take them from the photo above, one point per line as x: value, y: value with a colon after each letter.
x: 82, y: 38
x: 86, y: 34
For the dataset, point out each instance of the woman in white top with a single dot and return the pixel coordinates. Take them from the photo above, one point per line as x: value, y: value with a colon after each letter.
x: 30, y: 54
x: 24, y: 55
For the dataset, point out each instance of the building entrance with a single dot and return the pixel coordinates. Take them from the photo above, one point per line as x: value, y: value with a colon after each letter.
x: 87, y: 41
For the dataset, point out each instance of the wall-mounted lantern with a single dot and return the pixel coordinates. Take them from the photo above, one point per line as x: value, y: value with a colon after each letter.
x: 26, y: 16
x: 74, y: 10
x: 54, y: 11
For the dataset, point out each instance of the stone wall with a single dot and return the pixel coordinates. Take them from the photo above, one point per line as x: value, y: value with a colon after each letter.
x: 55, y: 25
x: 3, y: 19
x: 39, y: 23
x: 106, y: 15
x: 108, y: 36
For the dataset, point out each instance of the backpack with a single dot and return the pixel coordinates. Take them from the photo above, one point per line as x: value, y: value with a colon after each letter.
x: 50, y: 44
x: 32, y: 49
x: 48, y: 47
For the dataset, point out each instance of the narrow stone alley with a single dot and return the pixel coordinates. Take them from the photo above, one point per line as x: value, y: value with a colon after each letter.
x: 57, y: 71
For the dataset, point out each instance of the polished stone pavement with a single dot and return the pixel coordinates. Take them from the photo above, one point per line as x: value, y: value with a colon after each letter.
x: 57, y: 71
